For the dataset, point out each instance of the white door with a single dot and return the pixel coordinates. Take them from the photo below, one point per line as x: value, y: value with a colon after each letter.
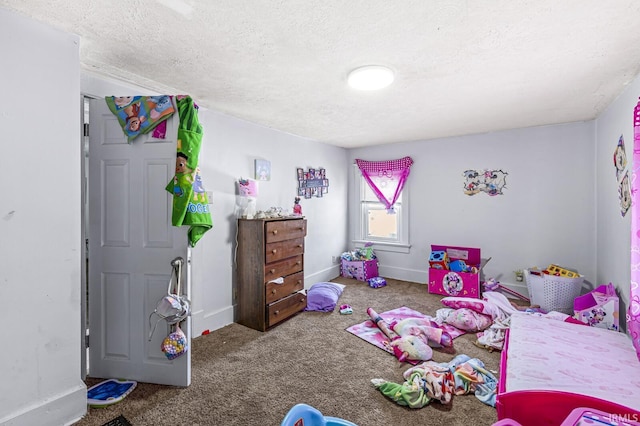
x: 131, y: 246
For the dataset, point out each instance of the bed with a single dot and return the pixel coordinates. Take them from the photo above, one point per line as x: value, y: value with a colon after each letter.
x: 550, y: 367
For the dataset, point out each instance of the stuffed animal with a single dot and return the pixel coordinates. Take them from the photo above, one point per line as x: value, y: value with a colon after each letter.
x: 426, y: 329
x: 411, y: 348
x: 411, y: 339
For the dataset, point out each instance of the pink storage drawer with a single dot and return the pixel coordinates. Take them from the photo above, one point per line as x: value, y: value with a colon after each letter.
x: 361, y: 270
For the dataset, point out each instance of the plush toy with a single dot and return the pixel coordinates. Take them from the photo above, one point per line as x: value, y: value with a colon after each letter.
x: 426, y: 329
x: 412, y: 339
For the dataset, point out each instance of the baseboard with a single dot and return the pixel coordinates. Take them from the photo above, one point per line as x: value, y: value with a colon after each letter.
x: 324, y: 275
x: 202, y: 322
x: 65, y: 409
x: 403, y: 274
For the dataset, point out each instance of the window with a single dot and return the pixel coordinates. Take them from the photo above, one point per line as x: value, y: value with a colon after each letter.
x: 388, y: 232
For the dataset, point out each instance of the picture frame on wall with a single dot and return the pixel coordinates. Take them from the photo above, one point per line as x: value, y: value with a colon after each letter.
x: 262, y: 170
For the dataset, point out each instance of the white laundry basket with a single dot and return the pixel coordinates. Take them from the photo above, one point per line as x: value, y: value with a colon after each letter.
x: 553, y: 293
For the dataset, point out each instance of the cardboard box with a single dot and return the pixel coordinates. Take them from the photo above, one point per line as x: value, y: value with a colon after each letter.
x: 459, y: 284
x: 361, y: 270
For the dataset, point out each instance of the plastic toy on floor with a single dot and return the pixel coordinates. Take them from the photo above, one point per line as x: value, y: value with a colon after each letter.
x: 493, y: 285
x: 306, y: 415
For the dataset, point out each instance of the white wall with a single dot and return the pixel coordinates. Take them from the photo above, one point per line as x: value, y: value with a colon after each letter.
x: 546, y: 215
x: 40, y: 248
x: 229, y: 149
x: 614, y: 230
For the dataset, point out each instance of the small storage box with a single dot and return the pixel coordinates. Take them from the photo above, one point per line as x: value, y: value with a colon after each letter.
x: 460, y: 284
x: 361, y: 270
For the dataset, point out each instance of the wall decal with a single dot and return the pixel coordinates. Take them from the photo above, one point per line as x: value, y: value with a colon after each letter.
x: 624, y: 194
x: 620, y: 158
x: 313, y: 183
x: 490, y: 181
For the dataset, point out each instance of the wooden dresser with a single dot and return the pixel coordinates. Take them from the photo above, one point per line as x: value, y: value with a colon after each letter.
x: 269, y: 249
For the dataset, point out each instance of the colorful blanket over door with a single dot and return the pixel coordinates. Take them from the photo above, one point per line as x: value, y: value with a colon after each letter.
x: 190, y: 203
x: 140, y: 114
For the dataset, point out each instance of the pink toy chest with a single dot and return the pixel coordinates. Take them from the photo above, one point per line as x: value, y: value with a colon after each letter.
x: 361, y: 270
x: 460, y: 284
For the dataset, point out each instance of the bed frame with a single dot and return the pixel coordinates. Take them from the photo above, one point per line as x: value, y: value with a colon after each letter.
x: 550, y: 407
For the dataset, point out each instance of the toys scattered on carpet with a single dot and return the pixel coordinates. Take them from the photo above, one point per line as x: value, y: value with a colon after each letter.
x: 412, y: 339
x: 377, y: 282
x: 346, y: 310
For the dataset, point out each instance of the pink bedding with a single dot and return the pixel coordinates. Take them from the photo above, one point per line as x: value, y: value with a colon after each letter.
x: 550, y: 355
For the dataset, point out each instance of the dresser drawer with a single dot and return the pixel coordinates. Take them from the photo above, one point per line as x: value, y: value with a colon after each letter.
x: 283, y: 268
x: 283, y: 249
x: 291, y: 284
x: 282, y: 230
x: 284, y: 308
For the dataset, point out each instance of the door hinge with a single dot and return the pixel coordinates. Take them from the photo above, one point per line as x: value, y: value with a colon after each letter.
x: 86, y: 341
x: 86, y: 129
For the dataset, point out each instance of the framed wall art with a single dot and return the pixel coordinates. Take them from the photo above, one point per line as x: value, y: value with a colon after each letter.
x: 312, y: 183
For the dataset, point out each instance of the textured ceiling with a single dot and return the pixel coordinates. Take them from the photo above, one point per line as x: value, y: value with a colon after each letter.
x: 462, y: 66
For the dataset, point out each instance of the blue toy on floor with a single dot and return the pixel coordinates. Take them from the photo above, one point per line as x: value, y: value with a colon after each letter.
x: 306, y: 415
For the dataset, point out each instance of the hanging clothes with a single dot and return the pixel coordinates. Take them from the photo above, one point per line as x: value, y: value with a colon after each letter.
x: 190, y: 203
x: 386, y: 178
x: 140, y: 114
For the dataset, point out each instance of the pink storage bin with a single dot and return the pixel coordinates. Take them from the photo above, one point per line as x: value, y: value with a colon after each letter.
x: 361, y: 270
x: 456, y: 284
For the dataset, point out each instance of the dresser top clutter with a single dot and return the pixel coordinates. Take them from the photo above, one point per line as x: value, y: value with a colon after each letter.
x: 270, y: 276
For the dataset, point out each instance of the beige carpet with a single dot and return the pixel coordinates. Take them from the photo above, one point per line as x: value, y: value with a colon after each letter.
x: 245, y: 377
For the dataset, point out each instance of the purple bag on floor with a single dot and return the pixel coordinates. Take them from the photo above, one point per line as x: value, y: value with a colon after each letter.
x: 323, y: 297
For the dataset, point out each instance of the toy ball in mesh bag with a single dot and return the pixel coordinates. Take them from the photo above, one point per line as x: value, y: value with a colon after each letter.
x: 175, y: 344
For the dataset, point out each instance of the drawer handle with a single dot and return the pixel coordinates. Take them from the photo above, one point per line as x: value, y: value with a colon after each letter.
x: 300, y: 245
x: 274, y: 251
x: 276, y: 312
x: 273, y: 291
x: 299, y: 281
x: 275, y: 231
x: 298, y: 262
x: 273, y: 271
x: 302, y: 300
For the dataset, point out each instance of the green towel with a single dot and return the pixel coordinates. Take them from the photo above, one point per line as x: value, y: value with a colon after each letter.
x: 190, y: 203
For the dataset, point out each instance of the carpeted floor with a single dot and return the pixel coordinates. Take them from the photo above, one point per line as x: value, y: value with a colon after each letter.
x: 245, y: 377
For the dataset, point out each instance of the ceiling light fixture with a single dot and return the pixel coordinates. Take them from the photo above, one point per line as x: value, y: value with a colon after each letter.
x: 370, y: 77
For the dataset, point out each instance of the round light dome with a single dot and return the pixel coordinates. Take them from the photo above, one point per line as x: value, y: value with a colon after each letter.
x: 370, y: 77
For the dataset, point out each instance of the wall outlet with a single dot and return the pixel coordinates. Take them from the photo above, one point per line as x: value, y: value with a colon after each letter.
x: 209, y: 197
x: 335, y: 259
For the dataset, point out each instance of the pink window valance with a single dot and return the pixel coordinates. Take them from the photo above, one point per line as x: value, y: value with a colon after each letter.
x: 386, y: 178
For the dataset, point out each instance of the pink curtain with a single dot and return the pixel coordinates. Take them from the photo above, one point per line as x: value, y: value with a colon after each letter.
x: 386, y: 178
x: 633, y: 313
